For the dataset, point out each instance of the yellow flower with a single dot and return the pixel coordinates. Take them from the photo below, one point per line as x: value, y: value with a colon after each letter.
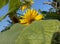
x: 23, y: 7
x: 30, y: 16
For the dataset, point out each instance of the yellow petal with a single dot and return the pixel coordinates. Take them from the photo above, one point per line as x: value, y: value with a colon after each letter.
x: 27, y: 24
x: 39, y: 17
x: 27, y: 14
x: 34, y: 13
x: 23, y: 21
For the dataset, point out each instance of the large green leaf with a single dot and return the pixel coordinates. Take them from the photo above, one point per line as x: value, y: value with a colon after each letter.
x: 3, y: 3
x: 9, y: 36
x: 40, y: 32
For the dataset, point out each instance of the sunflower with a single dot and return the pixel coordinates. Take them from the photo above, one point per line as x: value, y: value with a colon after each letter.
x: 29, y: 16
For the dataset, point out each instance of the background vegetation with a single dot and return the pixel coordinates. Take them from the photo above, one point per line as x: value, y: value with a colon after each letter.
x: 44, y: 31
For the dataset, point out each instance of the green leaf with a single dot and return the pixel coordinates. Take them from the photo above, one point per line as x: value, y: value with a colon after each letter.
x: 58, y: 0
x: 14, y: 5
x: 40, y: 32
x: 43, y: 12
x: 52, y: 15
x: 3, y: 17
x: 10, y: 36
x: 3, y: 3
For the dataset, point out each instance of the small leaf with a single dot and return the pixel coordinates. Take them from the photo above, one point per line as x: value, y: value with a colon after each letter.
x: 2, y: 17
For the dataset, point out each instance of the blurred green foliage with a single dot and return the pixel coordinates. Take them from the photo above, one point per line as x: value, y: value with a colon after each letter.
x: 9, y: 36
x: 3, y: 3
x: 39, y: 32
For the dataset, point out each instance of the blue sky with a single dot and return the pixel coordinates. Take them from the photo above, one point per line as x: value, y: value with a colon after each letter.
x: 37, y: 5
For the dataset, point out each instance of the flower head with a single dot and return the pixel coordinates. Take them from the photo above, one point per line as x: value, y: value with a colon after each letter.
x: 23, y: 7
x: 30, y: 16
x: 26, y: 5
